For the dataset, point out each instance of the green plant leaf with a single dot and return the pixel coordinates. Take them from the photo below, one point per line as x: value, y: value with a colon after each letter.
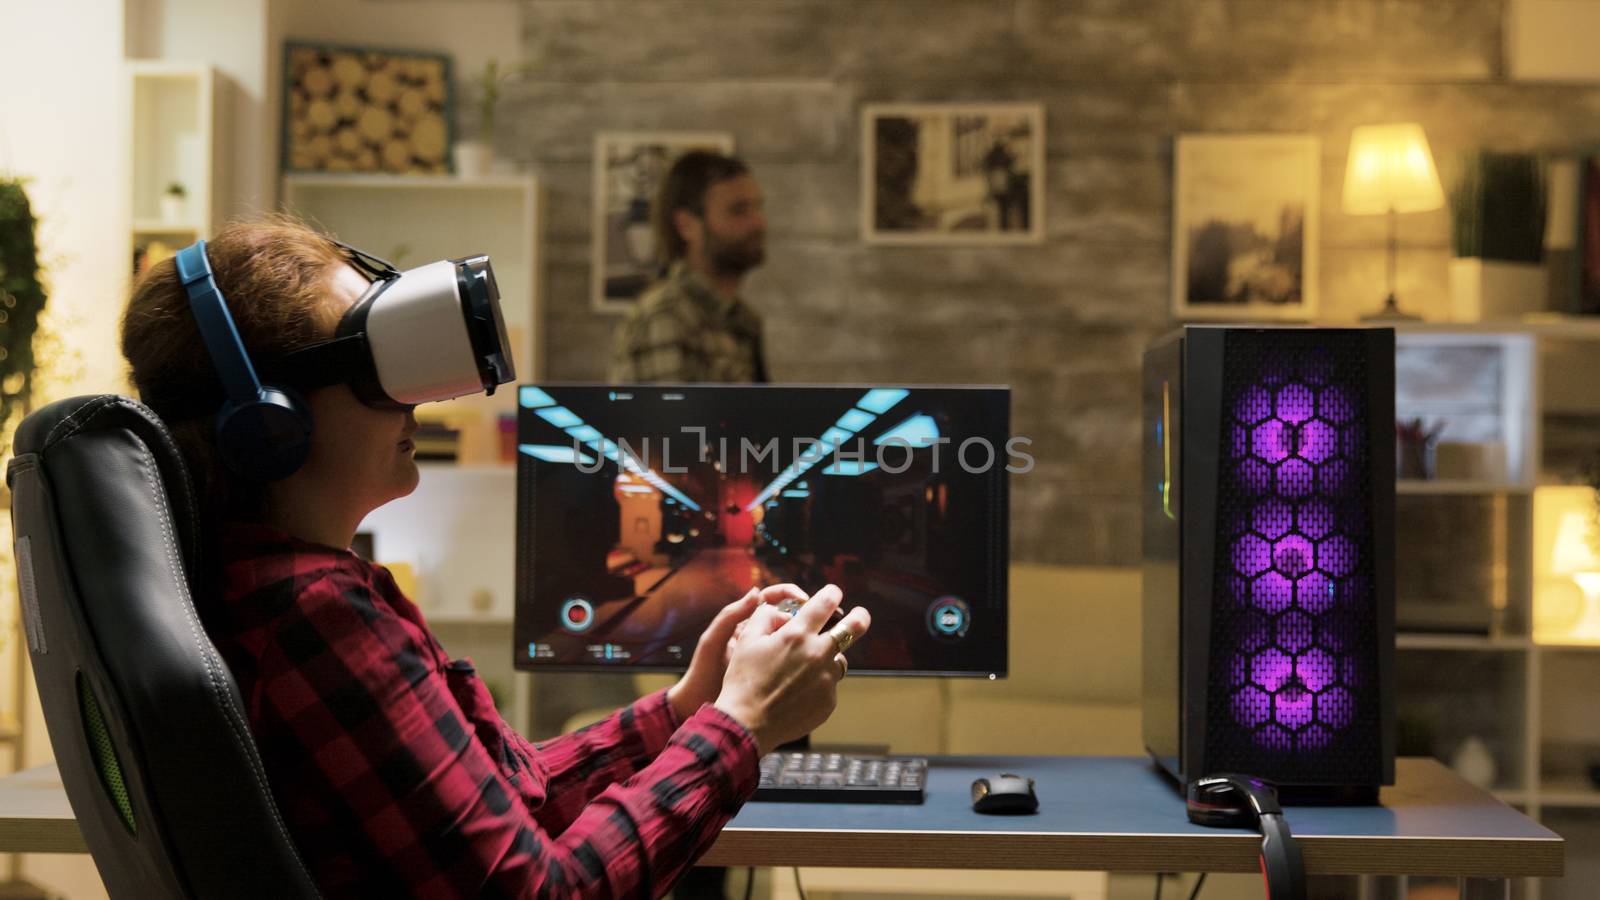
x: 22, y: 299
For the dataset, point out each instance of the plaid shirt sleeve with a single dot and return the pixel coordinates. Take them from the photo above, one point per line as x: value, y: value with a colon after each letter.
x: 578, y: 766
x: 401, y: 787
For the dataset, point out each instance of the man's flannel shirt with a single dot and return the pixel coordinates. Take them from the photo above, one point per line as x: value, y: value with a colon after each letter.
x: 683, y: 331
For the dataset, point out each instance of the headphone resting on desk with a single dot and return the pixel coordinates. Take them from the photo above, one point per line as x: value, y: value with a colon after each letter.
x: 1240, y: 801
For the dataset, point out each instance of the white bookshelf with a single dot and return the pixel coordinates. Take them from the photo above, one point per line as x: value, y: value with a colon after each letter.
x: 1459, y: 487
x: 173, y: 113
x: 1540, y: 325
x: 1467, y: 642
x: 1542, y: 695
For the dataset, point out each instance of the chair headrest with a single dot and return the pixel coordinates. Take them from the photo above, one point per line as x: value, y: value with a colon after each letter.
x: 55, y: 423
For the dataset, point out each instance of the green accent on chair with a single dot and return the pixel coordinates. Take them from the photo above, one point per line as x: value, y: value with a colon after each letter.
x: 105, y: 755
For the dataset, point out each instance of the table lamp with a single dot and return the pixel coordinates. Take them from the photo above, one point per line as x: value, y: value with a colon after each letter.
x: 1574, y: 556
x: 1390, y: 171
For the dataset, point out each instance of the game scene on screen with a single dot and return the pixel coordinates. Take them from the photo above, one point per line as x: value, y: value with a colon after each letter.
x: 642, y: 511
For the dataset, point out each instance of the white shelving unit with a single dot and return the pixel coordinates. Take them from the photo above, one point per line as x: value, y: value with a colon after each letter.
x: 1460, y: 487
x: 174, y: 109
x: 1539, y: 693
x: 1469, y: 642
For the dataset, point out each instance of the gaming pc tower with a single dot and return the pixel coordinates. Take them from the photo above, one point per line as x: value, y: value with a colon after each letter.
x: 1269, y: 557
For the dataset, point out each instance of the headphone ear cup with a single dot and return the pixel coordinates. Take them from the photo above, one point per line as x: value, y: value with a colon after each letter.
x: 267, y: 439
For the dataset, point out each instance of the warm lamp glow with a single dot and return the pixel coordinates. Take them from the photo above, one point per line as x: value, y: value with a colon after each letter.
x: 1573, y: 557
x: 1390, y: 169
x: 1573, y: 554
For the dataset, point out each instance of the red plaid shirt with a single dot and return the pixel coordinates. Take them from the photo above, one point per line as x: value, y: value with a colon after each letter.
x: 397, y: 776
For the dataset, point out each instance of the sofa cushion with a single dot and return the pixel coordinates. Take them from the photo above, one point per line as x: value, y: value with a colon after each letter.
x: 1021, y: 727
x: 1075, y: 636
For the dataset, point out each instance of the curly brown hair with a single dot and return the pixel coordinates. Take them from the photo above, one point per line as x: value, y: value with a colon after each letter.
x: 275, y: 272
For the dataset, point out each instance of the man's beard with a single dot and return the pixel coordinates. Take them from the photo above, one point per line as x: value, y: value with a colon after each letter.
x: 736, y: 257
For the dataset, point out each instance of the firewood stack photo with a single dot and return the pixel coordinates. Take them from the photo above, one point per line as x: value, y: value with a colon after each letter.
x: 352, y: 110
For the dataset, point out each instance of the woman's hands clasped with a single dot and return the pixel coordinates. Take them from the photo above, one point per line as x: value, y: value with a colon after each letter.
x: 775, y: 674
x: 783, y: 674
x: 703, y: 681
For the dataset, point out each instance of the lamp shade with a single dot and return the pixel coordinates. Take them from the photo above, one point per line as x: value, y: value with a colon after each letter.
x: 1573, y: 553
x: 1390, y: 168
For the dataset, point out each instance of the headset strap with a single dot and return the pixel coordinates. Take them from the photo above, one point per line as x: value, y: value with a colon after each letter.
x: 344, y: 360
x: 376, y: 268
x: 221, y: 336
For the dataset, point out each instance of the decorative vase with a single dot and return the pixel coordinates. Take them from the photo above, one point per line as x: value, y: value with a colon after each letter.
x: 1484, y: 290
x: 1474, y: 763
x: 173, y: 207
x: 473, y: 159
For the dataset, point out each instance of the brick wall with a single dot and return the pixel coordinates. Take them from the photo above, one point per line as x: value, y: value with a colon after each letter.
x: 1063, y: 323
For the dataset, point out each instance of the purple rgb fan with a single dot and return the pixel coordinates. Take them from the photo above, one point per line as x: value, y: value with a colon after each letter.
x: 1294, y: 581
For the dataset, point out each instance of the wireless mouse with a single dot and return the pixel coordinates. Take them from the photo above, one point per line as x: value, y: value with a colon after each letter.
x: 1004, y: 794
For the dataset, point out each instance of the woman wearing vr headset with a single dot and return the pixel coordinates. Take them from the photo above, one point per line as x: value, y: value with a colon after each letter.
x: 288, y: 366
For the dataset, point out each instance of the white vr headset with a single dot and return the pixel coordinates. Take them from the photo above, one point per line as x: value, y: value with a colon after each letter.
x: 430, y: 333
x: 426, y: 334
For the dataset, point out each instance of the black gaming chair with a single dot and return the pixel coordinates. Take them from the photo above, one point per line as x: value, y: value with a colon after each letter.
x: 146, y: 722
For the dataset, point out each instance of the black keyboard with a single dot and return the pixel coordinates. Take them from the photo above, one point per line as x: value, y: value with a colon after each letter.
x: 801, y: 777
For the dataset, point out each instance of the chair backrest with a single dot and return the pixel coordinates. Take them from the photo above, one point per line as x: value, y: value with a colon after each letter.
x: 146, y: 722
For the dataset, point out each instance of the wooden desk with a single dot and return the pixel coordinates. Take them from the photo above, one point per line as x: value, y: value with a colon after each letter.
x: 35, y: 816
x: 1118, y: 814
x: 1096, y: 813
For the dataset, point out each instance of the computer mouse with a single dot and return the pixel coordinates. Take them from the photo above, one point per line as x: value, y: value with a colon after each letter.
x: 1004, y: 794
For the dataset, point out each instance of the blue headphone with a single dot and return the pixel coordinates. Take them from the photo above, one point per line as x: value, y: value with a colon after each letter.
x: 263, y: 430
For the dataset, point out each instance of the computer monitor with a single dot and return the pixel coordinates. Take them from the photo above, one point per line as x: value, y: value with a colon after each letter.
x: 643, y: 510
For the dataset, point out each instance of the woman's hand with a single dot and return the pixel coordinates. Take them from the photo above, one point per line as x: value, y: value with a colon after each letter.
x: 703, y: 682
x: 782, y: 679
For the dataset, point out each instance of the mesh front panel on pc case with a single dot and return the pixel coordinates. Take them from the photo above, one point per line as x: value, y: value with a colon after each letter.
x: 1269, y: 601
x: 643, y: 510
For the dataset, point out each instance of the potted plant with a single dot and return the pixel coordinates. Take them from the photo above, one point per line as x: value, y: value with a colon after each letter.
x: 1497, y: 233
x: 474, y: 157
x: 22, y: 299
x: 174, y: 202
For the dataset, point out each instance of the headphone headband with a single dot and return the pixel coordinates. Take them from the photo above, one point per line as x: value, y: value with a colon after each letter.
x: 216, y: 325
x: 263, y: 432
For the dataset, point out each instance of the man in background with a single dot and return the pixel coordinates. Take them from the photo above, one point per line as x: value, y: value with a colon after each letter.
x: 691, y: 325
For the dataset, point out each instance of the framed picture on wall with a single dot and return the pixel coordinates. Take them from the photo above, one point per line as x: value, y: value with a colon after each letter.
x: 1245, y: 213
x: 365, y: 109
x: 949, y: 173
x: 628, y: 168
